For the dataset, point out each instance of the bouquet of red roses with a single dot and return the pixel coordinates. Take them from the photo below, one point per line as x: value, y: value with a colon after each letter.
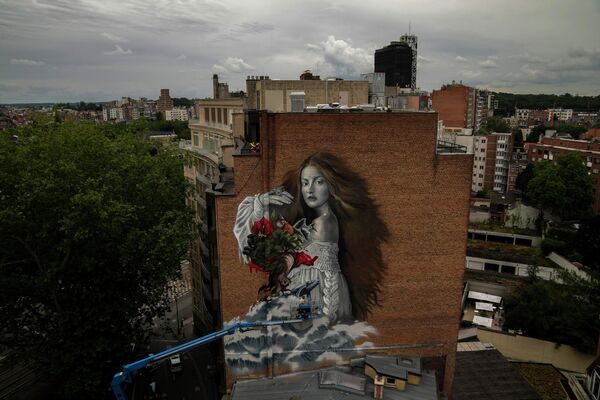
x: 275, y: 248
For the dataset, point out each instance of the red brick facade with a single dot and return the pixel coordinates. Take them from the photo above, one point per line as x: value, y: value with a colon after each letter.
x: 423, y: 197
x: 455, y: 105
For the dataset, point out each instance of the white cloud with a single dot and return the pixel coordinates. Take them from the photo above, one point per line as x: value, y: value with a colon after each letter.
x: 470, y: 74
x: 181, y: 57
x: 578, y: 59
x: 460, y: 59
x: 233, y: 64
x: 529, y: 58
x: 24, y: 61
x: 424, y: 59
x: 219, y: 68
x: 118, y: 51
x: 341, y: 57
x: 489, y: 63
x: 113, y: 38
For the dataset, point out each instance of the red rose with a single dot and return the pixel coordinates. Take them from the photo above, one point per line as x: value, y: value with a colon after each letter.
x: 268, y: 227
x: 262, y: 226
x: 304, y: 259
x: 256, y: 228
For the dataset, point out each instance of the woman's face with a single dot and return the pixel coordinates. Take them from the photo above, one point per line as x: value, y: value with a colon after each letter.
x: 315, y: 189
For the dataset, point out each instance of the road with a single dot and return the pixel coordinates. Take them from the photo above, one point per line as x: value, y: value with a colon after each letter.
x: 197, y: 380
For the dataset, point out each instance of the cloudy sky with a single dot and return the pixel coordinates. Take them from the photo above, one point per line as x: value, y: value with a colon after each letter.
x: 98, y: 50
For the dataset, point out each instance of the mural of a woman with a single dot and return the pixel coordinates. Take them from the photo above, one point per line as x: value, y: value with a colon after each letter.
x: 344, y: 230
x: 332, y: 205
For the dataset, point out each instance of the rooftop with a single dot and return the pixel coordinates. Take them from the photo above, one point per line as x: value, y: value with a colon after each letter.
x: 329, y: 384
x: 488, y: 375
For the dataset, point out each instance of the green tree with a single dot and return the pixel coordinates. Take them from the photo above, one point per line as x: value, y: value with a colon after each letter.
x: 536, y: 132
x: 497, y: 124
x: 571, y: 129
x: 588, y: 242
x: 92, y: 227
x: 566, y: 314
x: 563, y: 187
x: 518, y: 138
x: 524, y: 177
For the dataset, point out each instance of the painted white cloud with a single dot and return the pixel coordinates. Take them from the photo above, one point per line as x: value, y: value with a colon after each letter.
x: 118, y: 51
x: 460, y: 59
x: 489, y: 63
x: 24, y: 61
x: 233, y: 64
x: 342, y: 58
x: 113, y: 38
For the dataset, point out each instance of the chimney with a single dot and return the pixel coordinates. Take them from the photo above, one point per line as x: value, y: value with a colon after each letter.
x: 379, y: 382
x: 215, y: 86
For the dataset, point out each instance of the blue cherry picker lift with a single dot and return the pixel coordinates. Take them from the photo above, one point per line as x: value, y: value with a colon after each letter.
x: 304, y: 312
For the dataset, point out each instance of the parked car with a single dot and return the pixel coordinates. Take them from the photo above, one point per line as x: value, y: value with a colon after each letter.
x: 175, y: 363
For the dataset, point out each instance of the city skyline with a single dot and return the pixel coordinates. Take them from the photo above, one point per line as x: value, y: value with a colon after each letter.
x: 106, y: 50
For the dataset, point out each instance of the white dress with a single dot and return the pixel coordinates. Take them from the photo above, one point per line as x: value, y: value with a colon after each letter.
x: 330, y: 336
x: 332, y: 294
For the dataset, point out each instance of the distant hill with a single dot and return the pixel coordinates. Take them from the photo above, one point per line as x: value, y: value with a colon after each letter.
x: 508, y: 101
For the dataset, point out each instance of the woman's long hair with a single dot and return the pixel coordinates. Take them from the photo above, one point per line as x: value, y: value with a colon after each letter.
x: 360, y: 227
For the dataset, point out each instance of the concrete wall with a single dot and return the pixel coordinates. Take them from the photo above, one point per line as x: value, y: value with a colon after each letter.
x: 522, y: 348
x: 521, y: 216
x: 274, y: 95
x: 478, y: 264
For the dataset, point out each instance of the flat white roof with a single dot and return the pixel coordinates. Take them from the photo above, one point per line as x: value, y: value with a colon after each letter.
x: 483, y: 321
x: 484, y: 297
x: 483, y: 306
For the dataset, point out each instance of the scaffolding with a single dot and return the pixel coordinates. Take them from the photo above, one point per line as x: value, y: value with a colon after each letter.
x: 411, y: 41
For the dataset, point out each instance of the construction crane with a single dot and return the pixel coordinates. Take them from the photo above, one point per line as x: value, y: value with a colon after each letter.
x: 304, y: 312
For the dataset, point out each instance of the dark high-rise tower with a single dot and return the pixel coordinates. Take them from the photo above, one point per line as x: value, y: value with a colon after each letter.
x: 398, y: 61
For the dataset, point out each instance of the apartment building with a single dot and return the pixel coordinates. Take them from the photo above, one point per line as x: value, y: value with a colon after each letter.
x: 459, y: 105
x: 491, y: 156
x: 265, y: 93
x: 177, y: 114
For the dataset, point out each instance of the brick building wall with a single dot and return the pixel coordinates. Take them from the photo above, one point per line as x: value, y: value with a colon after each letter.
x: 490, y: 162
x: 423, y: 197
x: 452, y: 102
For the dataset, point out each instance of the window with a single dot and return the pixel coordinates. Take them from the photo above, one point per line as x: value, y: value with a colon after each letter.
x: 219, y: 119
x: 213, y: 116
x: 483, y: 150
x: 481, y: 175
x: 481, y: 167
x: 390, y: 381
x: 595, y: 171
x: 482, y: 140
x: 534, y: 150
x: 225, y: 117
x: 206, y: 114
x: 491, y: 267
x: 196, y: 141
x: 507, y: 269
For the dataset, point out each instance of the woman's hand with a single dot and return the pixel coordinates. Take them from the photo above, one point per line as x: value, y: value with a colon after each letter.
x: 277, y: 196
